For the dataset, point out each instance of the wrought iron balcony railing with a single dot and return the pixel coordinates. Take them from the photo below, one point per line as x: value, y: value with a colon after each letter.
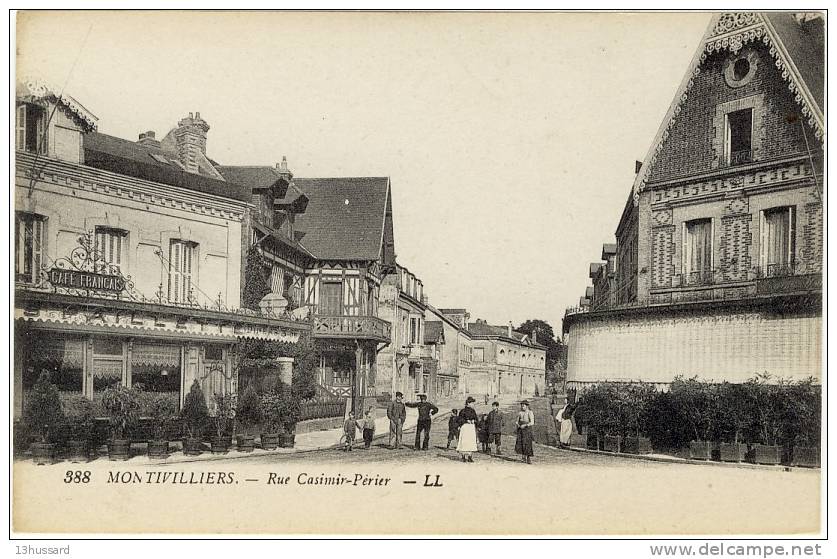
x: 740, y: 157
x: 354, y: 327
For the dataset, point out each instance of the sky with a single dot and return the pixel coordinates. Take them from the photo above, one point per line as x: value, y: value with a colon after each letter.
x: 510, y: 139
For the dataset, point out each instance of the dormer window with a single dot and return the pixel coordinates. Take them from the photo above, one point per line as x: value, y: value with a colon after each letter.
x: 30, y: 127
x: 739, y: 137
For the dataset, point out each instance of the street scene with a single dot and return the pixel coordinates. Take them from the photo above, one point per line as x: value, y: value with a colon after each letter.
x: 391, y: 260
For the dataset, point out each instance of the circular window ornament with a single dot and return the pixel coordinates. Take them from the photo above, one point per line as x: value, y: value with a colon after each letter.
x: 739, y: 69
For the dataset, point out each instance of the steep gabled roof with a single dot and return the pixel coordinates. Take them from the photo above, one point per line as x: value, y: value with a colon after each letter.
x: 254, y: 177
x: 797, y: 48
x: 152, y: 163
x: 345, y: 216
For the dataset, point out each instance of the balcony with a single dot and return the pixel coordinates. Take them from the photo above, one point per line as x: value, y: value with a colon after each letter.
x: 740, y: 157
x: 352, y: 327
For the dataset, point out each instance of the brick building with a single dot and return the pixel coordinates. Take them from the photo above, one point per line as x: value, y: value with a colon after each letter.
x: 718, y: 255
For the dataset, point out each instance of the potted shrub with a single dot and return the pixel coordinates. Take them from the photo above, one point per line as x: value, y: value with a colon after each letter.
x: 734, y: 417
x: 804, y: 423
x: 291, y: 412
x: 592, y: 414
x: 161, y: 410
x: 195, y: 415
x: 222, y: 413
x: 697, y: 402
x: 248, y: 415
x: 43, y: 416
x: 122, y: 407
x: 271, y: 404
x: 78, y: 412
x: 768, y: 406
x: 635, y: 401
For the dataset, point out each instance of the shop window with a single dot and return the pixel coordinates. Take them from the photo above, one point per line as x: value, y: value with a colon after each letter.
x: 697, y: 251
x: 30, y: 128
x: 777, y: 241
x: 29, y: 241
x: 156, y: 368
x: 214, y: 353
x: 61, y: 357
x: 110, y: 248
x: 108, y: 364
x: 739, y: 136
x: 182, y: 265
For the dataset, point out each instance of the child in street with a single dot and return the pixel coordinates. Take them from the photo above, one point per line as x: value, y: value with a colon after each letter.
x: 349, y: 427
x: 453, y: 428
x: 482, y: 432
x: 368, y: 426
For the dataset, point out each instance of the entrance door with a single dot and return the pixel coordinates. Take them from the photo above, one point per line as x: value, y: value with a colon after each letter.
x: 108, y: 365
x: 330, y: 298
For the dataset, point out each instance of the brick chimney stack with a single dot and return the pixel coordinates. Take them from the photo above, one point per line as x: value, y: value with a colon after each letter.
x: 148, y: 139
x: 535, y: 336
x: 510, y: 329
x: 190, y: 137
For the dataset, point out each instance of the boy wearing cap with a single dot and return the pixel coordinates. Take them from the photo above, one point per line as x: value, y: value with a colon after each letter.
x: 425, y: 412
x: 396, y: 413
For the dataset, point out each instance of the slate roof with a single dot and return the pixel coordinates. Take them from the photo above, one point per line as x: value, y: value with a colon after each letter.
x: 489, y: 330
x: 433, y: 332
x: 135, y: 160
x: 345, y: 216
x: 805, y: 45
x: 254, y: 177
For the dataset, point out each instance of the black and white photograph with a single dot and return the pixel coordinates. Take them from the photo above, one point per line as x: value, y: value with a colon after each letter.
x: 425, y: 273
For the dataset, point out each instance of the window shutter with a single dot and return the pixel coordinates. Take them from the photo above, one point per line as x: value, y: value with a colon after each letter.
x: 175, y: 279
x: 20, y: 128
x: 37, y: 247
x: 792, y: 238
x: 188, y: 255
x: 762, y: 243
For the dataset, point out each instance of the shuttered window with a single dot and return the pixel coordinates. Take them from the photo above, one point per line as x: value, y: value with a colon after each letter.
x: 777, y: 241
x: 30, y: 123
x: 697, y: 253
x: 182, y: 264
x: 110, y: 247
x: 29, y: 241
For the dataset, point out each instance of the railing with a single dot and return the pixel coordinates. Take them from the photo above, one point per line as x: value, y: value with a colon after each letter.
x: 740, y: 157
x: 322, y: 408
x: 367, y: 327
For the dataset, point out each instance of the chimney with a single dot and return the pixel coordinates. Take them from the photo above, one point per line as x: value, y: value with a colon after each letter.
x: 535, y: 336
x: 283, y: 170
x: 510, y: 329
x: 147, y: 139
x: 190, y: 138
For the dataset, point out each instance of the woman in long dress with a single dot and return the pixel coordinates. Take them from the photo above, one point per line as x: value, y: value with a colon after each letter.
x: 467, y: 431
x: 564, y: 419
x: 525, y: 421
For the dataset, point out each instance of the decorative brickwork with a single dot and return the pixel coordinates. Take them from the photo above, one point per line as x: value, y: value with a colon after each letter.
x: 812, y: 233
x: 737, y: 206
x: 754, y: 102
x: 662, y: 217
x: 662, y: 268
x: 736, y: 241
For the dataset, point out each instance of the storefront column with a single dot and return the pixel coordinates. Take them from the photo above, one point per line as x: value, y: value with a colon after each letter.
x: 286, y: 369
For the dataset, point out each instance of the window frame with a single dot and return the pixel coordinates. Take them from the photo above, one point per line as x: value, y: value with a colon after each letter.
x: 37, y: 224
x: 22, y: 128
x: 111, y: 236
x: 686, y: 252
x: 790, y: 264
x: 728, y: 153
x: 187, y: 247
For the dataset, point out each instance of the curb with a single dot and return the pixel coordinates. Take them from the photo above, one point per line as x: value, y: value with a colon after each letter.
x: 675, y: 460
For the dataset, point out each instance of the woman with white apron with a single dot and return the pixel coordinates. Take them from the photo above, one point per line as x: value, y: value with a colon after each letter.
x: 467, y: 431
x: 565, y: 424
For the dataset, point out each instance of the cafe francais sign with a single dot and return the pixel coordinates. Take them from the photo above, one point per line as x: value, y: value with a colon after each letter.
x: 77, y: 279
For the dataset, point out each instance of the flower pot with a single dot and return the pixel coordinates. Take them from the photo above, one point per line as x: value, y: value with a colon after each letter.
x: 766, y: 454
x: 636, y: 445
x: 192, y: 446
x: 700, y: 450
x: 806, y: 456
x: 612, y: 443
x: 221, y: 445
x: 732, y: 452
x: 270, y: 441
x: 158, y: 449
x: 77, y: 451
x: 246, y: 443
x: 119, y: 449
x: 578, y: 440
x: 43, y: 453
x: 286, y: 440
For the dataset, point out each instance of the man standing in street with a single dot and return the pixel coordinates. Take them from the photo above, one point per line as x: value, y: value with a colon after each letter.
x: 425, y: 412
x: 396, y: 413
x: 495, y: 427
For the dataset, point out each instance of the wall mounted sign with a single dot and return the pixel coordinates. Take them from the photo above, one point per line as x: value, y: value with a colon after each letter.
x: 77, y: 279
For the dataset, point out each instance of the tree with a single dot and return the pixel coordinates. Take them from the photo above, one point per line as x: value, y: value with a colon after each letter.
x: 546, y: 337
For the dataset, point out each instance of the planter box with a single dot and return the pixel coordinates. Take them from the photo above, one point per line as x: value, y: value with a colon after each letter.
x: 700, y: 450
x: 220, y: 445
x: 637, y: 445
x: 766, y: 454
x: 270, y: 441
x: 192, y: 447
x: 806, y: 456
x: 287, y: 440
x: 158, y: 449
x: 577, y: 440
x: 43, y: 453
x: 612, y: 443
x: 77, y: 451
x: 246, y: 443
x: 733, y: 452
x: 119, y: 449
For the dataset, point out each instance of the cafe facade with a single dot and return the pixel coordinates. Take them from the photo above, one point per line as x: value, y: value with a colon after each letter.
x: 127, y: 265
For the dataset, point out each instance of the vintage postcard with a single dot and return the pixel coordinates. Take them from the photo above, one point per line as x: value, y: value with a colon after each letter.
x: 418, y: 273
